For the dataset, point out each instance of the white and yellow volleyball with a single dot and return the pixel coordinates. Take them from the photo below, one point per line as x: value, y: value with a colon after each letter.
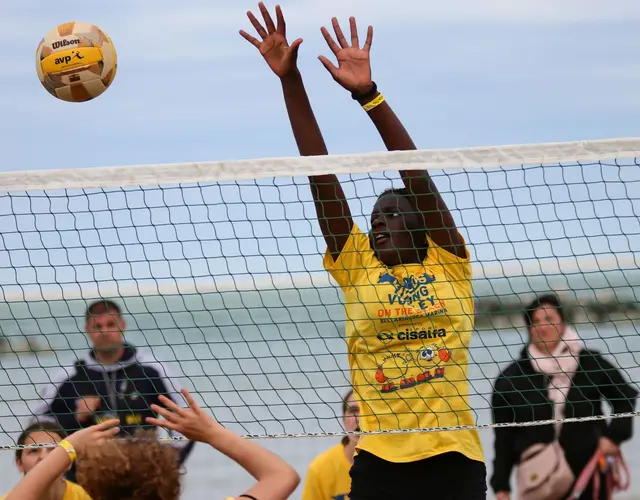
x: 76, y: 62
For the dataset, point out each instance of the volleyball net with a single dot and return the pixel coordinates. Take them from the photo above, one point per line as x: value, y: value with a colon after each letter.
x: 218, y: 270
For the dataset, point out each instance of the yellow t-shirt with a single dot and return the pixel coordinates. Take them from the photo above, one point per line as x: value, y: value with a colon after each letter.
x: 74, y: 492
x: 328, y: 476
x: 407, y: 331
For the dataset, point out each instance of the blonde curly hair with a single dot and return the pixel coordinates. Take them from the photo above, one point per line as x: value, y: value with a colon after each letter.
x: 139, y: 468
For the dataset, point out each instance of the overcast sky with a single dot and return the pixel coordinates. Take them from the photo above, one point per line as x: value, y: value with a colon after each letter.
x: 189, y: 88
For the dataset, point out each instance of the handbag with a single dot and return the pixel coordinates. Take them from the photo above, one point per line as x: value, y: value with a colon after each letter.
x: 543, y: 472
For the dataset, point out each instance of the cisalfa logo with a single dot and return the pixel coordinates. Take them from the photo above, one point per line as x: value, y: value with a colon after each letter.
x: 407, y: 335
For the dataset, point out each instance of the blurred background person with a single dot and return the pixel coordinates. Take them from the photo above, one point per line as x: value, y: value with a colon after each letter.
x: 557, y: 377
x: 328, y: 474
x: 112, y: 380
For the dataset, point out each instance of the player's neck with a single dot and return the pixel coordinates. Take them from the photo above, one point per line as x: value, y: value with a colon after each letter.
x: 110, y: 356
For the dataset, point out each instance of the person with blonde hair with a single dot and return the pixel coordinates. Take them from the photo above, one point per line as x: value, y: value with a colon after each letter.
x: 143, y: 468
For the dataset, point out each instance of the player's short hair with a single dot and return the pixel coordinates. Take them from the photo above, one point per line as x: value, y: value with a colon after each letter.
x: 46, y: 426
x: 548, y: 299
x: 138, y: 468
x: 397, y: 191
x: 102, y: 307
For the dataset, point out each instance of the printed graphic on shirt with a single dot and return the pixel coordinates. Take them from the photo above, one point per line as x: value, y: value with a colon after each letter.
x: 412, y: 298
x: 397, y: 371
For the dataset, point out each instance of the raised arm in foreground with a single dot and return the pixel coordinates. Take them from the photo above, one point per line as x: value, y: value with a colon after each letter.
x: 354, y: 74
x: 276, y: 479
x: 333, y: 211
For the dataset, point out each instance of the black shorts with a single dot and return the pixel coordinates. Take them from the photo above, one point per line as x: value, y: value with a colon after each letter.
x: 450, y: 476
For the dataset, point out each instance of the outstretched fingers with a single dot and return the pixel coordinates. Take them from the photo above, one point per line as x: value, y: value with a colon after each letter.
x: 369, y: 40
x: 252, y: 40
x: 339, y: 34
x: 190, y: 401
x: 111, y: 432
x: 257, y: 25
x: 108, y: 425
x: 170, y: 407
x: 165, y: 424
x: 329, y: 66
x: 342, y: 41
x: 281, y: 26
x: 335, y: 48
x: 354, y: 32
x: 271, y: 28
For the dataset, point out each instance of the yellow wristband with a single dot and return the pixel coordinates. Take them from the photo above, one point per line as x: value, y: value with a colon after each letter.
x: 374, y: 103
x: 66, y: 445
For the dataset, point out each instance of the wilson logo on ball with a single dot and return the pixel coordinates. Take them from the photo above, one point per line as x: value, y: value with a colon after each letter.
x: 64, y: 43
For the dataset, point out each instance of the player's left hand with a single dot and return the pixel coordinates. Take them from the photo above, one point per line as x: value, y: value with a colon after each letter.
x: 607, y: 447
x: 280, y: 56
x: 94, y: 435
x: 354, y: 64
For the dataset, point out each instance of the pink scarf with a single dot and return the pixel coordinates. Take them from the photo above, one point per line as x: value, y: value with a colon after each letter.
x: 560, y: 365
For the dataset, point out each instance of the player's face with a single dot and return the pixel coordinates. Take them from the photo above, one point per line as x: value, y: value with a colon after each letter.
x: 351, y: 417
x: 33, y: 456
x: 104, y: 329
x: 547, y: 325
x: 395, y: 229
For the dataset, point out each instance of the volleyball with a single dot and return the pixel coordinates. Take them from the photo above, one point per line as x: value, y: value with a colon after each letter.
x: 76, y: 62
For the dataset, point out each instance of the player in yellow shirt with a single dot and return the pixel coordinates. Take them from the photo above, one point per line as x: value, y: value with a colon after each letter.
x: 408, y: 295
x: 328, y: 475
x: 28, y: 458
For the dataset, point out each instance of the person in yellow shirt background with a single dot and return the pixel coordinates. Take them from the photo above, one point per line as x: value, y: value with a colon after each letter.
x: 328, y: 475
x: 28, y: 458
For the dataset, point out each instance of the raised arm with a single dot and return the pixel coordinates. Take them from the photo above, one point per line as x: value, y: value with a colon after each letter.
x: 354, y: 74
x: 333, y: 212
x: 276, y: 480
x: 36, y: 484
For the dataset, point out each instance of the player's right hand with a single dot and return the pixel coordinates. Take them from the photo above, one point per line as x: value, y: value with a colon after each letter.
x: 86, y: 407
x: 192, y: 422
x: 280, y: 56
x: 503, y: 495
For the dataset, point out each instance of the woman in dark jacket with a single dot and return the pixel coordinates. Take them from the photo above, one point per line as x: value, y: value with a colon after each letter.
x: 526, y: 392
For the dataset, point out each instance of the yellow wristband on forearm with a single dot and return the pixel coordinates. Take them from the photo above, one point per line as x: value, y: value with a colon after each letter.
x: 68, y: 447
x: 374, y: 103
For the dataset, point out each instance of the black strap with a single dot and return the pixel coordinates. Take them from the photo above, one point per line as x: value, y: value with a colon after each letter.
x: 248, y: 496
x: 369, y: 95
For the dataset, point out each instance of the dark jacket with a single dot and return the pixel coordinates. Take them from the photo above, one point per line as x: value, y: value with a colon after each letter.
x: 127, y: 390
x: 520, y: 395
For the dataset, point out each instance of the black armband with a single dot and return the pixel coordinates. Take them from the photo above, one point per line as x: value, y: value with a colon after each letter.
x: 368, y: 96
